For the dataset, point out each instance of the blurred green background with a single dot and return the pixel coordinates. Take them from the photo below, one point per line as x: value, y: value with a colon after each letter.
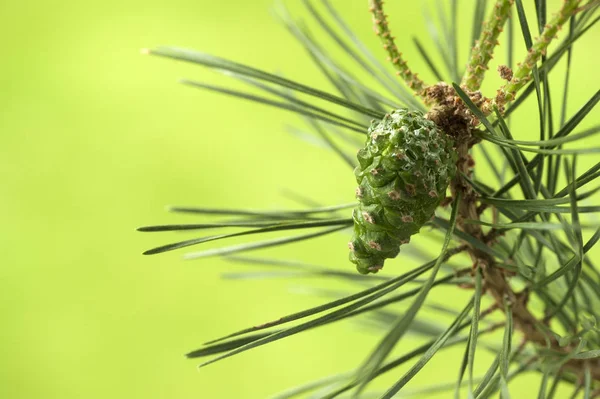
x: 97, y: 139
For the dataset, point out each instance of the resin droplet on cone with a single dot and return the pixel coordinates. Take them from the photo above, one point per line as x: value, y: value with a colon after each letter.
x: 404, y: 170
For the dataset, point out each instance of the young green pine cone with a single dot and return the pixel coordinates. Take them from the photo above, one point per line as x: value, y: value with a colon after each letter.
x: 404, y: 170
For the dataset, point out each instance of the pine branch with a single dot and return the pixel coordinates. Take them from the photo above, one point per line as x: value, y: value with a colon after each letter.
x: 382, y: 30
x: 523, y: 215
x: 496, y: 279
x: 523, y: 75
x: 483, y: 50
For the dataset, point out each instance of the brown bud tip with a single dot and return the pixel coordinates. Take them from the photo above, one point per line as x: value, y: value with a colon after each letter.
x: 470, y: 162
x: 505, y: 72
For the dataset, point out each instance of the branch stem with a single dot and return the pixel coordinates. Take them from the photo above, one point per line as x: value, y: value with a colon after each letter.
x: 496, y: 282
x: 482, y: 52
x: 380, y: 24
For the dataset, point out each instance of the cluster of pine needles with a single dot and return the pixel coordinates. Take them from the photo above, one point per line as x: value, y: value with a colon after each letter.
x: 534, y: 224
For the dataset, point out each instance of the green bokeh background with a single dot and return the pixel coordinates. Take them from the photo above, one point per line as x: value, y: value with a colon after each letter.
x: 97, y: 139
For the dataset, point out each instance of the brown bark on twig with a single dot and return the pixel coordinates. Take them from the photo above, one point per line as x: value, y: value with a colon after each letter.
x: 453, y: 117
